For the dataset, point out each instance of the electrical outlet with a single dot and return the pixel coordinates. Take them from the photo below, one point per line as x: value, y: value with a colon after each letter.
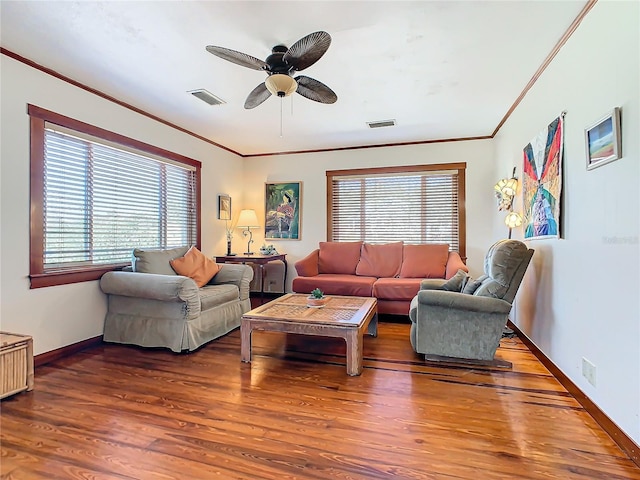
x: 589, y: 371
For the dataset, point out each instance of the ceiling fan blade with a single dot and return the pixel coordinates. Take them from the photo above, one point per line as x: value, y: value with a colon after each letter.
x: 238, y: 58
x: 308, y: 50
x: 315, y: 90
x: 257, y: 96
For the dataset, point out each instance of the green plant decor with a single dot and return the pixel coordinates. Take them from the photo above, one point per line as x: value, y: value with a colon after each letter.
x: 317, y: 293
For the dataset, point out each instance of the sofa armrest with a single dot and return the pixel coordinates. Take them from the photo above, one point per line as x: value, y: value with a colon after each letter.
x: 166, y: 288
x: 462, y: 301
x: 237, y: 274
x: 308, y: 266
x: 454, y: 263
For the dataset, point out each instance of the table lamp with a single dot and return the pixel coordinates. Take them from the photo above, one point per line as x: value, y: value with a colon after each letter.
x: 248, y: 220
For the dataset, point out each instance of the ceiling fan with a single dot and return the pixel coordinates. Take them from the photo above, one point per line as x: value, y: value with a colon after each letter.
x: 280, y: 67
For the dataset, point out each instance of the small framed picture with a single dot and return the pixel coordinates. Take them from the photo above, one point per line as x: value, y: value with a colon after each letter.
x: 224, y: 207
x: 602, y: 140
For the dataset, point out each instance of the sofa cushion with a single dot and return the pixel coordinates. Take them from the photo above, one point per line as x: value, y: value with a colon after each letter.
x: 424, y: 261
x: 335, y: 284
x: 214, y: 295
x: 156, y: 260
x: 195, y: 265
x: 396, y: 288
x: 382, y: 261
x: 339, y: 257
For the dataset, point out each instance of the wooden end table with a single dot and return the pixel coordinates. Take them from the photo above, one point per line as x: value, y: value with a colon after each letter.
x: 259, y: 259
x: 341, y: 317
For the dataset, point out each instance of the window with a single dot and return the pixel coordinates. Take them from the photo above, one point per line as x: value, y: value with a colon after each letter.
x: 414, y: 204
x: 95, y: 195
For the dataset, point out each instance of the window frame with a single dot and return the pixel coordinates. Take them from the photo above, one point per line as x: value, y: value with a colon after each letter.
x: 38, y: 117
x: 459, y: 166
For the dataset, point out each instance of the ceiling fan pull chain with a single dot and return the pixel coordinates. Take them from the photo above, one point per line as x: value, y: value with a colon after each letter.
x: 281, y: 102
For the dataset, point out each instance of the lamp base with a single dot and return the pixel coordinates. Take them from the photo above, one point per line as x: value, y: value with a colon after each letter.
x: 245, y: 233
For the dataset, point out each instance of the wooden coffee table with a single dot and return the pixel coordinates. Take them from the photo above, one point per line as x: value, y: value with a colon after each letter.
x: 342, y: 317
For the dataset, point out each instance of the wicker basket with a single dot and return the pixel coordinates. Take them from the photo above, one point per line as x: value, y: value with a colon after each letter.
x: 16, y: 363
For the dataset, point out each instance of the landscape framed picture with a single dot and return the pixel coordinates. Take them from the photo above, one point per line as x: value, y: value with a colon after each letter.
x: 602, y: 140
x: 224, y: 207
x: 283, y: 206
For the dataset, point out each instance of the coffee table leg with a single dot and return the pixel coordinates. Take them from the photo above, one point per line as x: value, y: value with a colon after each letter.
x: 245, y: 340
x: 372, y: 329
x: 354, y: 352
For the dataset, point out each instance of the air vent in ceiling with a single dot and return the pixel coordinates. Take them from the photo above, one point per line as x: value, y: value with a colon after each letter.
x: 207, y: 97
x: 382, y: 123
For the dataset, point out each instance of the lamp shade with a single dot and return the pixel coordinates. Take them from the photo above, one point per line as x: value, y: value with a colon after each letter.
x: 248, y: 219
x: 281, y: 85
x: 507, y: 186
x: 513, y: 220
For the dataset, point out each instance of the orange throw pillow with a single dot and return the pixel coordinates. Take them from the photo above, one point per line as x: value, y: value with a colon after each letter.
x: 195, y: 265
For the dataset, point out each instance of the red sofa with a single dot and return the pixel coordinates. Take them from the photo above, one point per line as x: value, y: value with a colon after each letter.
x: 391, y: 272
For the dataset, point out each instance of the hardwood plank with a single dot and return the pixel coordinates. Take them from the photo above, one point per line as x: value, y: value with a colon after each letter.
x: 115, y: 411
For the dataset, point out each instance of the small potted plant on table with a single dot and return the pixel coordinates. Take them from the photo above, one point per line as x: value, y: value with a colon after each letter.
x: 316, y: 299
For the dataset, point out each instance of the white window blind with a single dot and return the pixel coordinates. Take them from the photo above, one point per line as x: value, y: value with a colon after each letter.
x: 100, y: 202
x: 420, y: 207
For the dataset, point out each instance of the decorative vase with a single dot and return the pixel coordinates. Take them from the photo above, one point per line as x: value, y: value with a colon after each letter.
x: 316, y: 302
x: 228, y: 247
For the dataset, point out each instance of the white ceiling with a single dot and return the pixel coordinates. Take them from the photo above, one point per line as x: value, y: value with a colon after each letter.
x: 441, y: 69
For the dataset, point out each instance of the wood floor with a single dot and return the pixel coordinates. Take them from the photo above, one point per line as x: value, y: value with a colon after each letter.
x: 119, y: 412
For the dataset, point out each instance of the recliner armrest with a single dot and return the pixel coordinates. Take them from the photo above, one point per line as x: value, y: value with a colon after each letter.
x: 432, y: 284
x: 462, y: 301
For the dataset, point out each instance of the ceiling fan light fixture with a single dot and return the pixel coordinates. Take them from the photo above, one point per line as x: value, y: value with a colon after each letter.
x: 281, y: 85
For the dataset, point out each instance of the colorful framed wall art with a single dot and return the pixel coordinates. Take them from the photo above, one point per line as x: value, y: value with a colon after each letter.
x: 283, y: 206
x: 542, y: 182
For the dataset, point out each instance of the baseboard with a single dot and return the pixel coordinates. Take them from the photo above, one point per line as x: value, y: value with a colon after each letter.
x: 66, y: 351
x: 622, y: 439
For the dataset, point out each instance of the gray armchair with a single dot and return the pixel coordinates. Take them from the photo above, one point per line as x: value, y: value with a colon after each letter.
x: 155, y: 307
x: 462, y: 326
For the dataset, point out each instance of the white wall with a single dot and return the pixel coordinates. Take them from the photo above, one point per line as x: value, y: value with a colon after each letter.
x: 580, y: 297
x: 311, y: 169
x: 63, y: 315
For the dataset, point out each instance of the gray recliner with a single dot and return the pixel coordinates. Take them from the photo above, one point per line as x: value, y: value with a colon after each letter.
x: 464, y: 326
